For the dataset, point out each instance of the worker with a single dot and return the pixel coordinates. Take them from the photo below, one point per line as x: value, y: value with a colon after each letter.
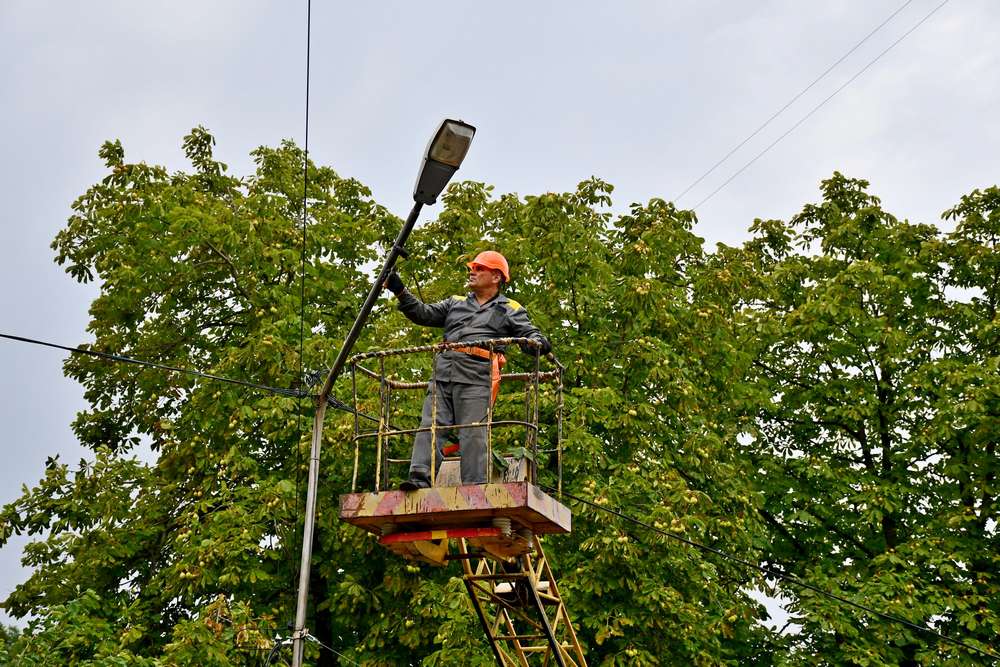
x: 464, y: 380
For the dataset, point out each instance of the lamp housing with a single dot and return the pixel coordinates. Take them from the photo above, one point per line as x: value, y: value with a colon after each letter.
x: 442, y: 159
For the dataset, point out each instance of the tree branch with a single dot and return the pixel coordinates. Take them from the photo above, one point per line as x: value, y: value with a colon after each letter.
x: 232, y: 271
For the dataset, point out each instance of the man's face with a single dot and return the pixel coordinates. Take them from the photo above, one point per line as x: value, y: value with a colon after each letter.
x: 481, y: 277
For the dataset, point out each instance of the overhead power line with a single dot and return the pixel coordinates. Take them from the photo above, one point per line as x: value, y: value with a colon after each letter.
x: 305, y: 196
x: 120, y: 358
x: 777, y: 574
x: 279, y: 642
x: 293, y: 574
x: 820, y: 105
x: 337, y: 653
x: 791, y: 101
x: 296, y: 393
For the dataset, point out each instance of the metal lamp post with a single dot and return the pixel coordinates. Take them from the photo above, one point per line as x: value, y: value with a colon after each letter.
x: 442, y: 158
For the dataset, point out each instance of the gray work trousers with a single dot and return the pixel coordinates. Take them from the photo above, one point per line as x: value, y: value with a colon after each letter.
x: 457, y: 403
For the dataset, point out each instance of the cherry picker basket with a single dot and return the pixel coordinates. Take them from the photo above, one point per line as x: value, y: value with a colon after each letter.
x: 501, y: 515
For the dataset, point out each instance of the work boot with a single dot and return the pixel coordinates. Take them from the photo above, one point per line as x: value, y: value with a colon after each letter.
x: 413, y: 484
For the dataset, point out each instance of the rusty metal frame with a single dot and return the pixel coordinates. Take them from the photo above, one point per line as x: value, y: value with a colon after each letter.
x: 385, y: 430
x: 525, y: 620
x: 489, y: 420
x: 532, y: 628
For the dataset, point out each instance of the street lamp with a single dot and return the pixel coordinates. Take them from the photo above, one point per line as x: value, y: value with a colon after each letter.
x: 442, y: 159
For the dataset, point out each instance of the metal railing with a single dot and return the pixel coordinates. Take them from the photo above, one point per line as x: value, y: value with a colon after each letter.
x: 389, y: 385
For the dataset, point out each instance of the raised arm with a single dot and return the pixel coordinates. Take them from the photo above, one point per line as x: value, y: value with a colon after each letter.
x: 424, y: 314
x: 418, y: 312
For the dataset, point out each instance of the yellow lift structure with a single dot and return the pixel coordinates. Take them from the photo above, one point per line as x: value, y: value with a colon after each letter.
x: 493, y: 529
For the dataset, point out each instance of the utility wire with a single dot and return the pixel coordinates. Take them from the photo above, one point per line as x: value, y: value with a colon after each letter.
x: 296, y: 393
x: 792, y: 579
x: 302, y: 277
x: 331, y: 649
x: 820, y: 105
x: 342, y: 406
x: 305, y: 197
x: 275, y: 647
x: 332, y: 401
x: 791, y: 101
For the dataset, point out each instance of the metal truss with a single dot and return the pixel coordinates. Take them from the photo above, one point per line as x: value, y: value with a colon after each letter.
x: 518, y: 603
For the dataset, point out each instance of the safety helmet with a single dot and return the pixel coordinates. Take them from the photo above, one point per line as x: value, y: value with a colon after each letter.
x: 491, y: 259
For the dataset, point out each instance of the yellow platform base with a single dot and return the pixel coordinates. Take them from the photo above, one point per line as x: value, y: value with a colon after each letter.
x: 430, y: 514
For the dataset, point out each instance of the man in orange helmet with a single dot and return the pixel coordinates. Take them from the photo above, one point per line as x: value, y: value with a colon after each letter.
x: 466, y: 381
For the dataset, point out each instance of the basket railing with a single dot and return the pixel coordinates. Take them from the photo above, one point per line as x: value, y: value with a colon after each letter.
x: 389, y: 386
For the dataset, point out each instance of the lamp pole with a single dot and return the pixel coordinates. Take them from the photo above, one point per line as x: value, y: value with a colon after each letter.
x: 442, y: 159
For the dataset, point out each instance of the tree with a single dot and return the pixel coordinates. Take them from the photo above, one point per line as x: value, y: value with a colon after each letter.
x: 192, y: 558
x: 196, y: 270
x: 875, y: 355
x: 8, y: 633
x: 822, y: 399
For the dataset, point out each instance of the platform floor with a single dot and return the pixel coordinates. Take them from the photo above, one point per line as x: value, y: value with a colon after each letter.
x: 453, y: 507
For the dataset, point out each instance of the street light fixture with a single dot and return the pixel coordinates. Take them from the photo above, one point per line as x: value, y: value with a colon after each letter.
x: 442, y: 159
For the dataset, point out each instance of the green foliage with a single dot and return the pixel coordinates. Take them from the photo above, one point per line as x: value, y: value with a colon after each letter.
x: 648, y: 427
x: 823, y: 399
x: 876, y: 427
x: 196, y: 270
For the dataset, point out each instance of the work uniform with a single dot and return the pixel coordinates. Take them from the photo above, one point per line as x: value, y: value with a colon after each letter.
x: 463, y: 381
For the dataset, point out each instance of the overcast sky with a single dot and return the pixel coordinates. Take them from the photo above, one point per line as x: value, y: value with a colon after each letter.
x: 646, y: 95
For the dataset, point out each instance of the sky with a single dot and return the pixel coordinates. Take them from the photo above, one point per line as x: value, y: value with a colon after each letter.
x: 645, y: 95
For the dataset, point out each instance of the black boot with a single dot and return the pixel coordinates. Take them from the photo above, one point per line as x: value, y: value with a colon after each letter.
x: 413, y: 484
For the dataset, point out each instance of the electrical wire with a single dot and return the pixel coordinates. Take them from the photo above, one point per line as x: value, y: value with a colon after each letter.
x: 332, y: 401
x: 332, y: 650
x: 305, y: 196
x: 772, y: 572
x: 278, y: 643
x: 791, y: 102
x: 293, y: 572
x: 342, y: 406
x: 819, y: 106
x: 295, y: 393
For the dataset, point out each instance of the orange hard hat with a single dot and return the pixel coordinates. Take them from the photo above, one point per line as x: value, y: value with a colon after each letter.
x: 491, y: 259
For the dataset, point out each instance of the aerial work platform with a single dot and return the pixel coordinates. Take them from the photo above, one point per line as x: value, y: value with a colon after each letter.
x: 499, y: 517
x: 494, y: 529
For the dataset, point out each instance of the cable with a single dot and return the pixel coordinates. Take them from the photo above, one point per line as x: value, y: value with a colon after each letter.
x: 305, y: 196
x: 295, y: 393
x: 791, y: 101
x: 278, y: 643
x: 792, y: 579
x: 818, y: 106
x: 332, y: 650
x: 293, y: 572
x: 342, y: 406
x: 332, y: 401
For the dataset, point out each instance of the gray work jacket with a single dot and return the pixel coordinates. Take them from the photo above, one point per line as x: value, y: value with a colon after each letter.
x: 464, y: 319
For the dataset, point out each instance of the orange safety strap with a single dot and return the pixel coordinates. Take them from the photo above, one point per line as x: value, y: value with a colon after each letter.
x: 499, y: 361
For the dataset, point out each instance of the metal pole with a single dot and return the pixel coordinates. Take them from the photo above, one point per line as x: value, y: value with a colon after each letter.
x: 298, y: 637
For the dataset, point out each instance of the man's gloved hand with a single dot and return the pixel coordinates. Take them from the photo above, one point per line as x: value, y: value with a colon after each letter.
x: 544, y: 346
x: 394, y: 283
